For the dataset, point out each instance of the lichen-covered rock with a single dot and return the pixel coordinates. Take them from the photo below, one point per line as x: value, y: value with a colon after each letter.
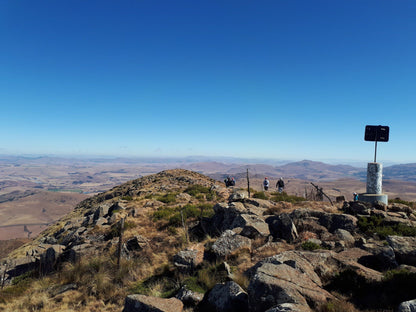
x: 230, y: 242
x: 277, y: 283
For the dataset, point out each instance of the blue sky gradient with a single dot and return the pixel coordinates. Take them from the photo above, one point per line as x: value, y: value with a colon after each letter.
x: 270, y: 79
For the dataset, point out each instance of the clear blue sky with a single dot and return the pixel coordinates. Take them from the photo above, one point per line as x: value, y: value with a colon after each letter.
x: 272, y: 79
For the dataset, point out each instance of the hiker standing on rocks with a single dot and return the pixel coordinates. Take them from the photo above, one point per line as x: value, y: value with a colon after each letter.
x: 280, y: 185
x: 355, y: 196
x: 266, y: 184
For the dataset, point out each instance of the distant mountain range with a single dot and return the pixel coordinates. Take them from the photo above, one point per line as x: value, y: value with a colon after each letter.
x: 304, y: 170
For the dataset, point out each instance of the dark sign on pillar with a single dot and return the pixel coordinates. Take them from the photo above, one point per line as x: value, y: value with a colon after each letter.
x: 377, y: 133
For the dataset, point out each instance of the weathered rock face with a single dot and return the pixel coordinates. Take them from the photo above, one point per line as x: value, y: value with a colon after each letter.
x: 281, y: 226
x: 230, y: 242
x: 137, y: 242
x: 279, y: 283
x: 285, y: 278
x: 253, y: 226
x: 404, y: 248
x: 187, y: 260
x: 136, y: 303
x: 382, y: 257
x: 228, y: 297
x: 333, y: 221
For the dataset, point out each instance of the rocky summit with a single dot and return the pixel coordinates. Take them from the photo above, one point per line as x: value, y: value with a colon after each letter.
x: 180, y: 241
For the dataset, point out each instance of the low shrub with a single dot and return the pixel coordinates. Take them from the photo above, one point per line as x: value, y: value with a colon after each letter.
x: 310, y: 246
x: 376, y: 225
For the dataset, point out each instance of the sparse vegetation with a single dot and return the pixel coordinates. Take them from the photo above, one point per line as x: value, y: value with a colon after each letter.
x: 310, y: 246
x: 404, y: 202
x: 376, y: 225
x: 287, y: 198
x: 260, y: 195
x: 168, y: 198
x: 173, y: 215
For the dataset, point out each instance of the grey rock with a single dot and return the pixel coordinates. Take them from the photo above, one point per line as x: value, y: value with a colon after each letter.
x: 189, y: 297
x: 404, y: 249
x: 238, y: 195
x: 281, y: 226
x: 253, y: 227
x: 229, y: 242
x: 407, y: 306
x: 345, y: 236
x: 277, y: 283
x: 185, y: 260
x: 356, y: 208
x: 334, y: 221
x: 382, y: 257
x: 228, y: 297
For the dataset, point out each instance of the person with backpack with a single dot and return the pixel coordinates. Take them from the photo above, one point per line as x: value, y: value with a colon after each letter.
x: 266, y: 184
x: 280, y: 185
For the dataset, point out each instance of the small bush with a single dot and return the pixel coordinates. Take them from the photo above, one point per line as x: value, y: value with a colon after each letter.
x: 310, y: 246
x: 127, y: 197
x: 196, y: 189
x: 260, y: 195
x: 173, y: 215
x: 163, y: 213
x: 375, y: 225
x: 169, y: 198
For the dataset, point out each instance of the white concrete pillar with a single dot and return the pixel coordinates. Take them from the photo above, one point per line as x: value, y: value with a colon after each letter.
x: 374, y: 178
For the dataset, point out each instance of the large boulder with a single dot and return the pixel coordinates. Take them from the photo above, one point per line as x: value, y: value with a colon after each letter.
x: 141, y: 303
x: 356, y: 208
x: 253, y: 226
x: 382, y: 257
x: 281, y: 226
x: 277, y: 283
x: 334, y: 221
x: 228, y: 297
x: 404, y: 249
x: 230, y: 242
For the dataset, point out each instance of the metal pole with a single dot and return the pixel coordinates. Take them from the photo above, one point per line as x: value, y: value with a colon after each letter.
x: 375, y: 152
